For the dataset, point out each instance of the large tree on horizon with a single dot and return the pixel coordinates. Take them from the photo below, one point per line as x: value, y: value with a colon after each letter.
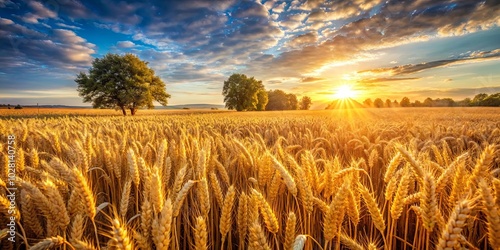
x: 121, y: 82
x: 244, y: 93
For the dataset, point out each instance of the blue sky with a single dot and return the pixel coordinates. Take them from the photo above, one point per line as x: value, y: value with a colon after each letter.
x: 386, y: 49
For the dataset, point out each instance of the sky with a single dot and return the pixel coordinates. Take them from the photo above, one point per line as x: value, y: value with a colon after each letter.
x: 387, y: 49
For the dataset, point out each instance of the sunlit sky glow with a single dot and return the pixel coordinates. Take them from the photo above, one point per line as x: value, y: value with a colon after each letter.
x: 386, y: 49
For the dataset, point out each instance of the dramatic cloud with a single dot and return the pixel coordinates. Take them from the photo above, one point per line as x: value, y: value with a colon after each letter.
x: 303, y: 45
x: 40, y: 11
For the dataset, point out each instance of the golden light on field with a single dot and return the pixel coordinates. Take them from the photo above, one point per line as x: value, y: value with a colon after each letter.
x: 349, y: 178
x: 345, y: 92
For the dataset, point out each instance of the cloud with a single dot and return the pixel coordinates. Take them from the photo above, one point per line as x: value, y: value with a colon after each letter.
x: 67, y: 26
x: 293, y: 21
x: 40, y: 11
x: 394, y: 24
x: 250, y: 9
x: 125, y: 44
x: 7, y: 3
x: 370, y: 81
x: 204, y: 41
x: 473, y: 57
x: 304, y: 39
x: 22, y: 47
x: 311, y: 79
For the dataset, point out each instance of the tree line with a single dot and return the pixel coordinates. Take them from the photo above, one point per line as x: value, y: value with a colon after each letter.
x: 479, y: 100
x: 243, y: 93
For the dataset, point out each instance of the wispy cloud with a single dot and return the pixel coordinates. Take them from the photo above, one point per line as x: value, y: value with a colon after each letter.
x: 369, y: 81
x: 473, y: 57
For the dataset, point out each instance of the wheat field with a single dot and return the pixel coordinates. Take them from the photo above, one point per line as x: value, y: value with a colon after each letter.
x: 367, y: 179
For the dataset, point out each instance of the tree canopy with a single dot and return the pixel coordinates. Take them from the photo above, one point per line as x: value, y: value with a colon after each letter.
x: 280, y: 100
x: 121, y: 82
x: 244, y: 93
x: 305, y: 103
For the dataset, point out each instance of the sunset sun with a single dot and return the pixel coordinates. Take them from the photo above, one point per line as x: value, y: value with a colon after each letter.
x: 345, y: 92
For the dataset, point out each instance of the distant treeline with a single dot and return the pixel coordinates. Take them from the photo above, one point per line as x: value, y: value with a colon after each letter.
x: 8, y: 106
x: 480, y: 100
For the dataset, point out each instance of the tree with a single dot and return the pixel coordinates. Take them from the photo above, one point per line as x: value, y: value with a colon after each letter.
x: 262, y: 100
x: 293, y: 103
x: 388, y: 103
x: 368, y: 103
x: 405, y: 102
x: 305, y: 103
x: 428, y: 102
x: 278, y: 100
x: 465, y: 102
x: 18, y: 107
x: 478, y: 98
x: 121, y: 82
x: 395, y: 104
x: 378, y: 103
x: 492, y: 100
x: 242, y: 93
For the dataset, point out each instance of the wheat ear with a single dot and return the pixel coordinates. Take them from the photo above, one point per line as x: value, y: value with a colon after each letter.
x: 267, y: 212
x: 300, y: 242
x: 373, y: 209
x: 162, y: 225
x: 492, y: 214
x: 290, y: 230
x: 226, y: 214
x: 200, y: 234
x: 257, y: 238
x: 48, y: 243
x: 456, y: 222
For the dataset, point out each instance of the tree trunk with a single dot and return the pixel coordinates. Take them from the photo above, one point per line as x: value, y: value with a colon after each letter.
x: 133, y: 110
x: 124, y: 111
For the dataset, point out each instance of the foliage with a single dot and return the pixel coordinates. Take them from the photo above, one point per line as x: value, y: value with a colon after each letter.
x: 280, y: 100
x: 378, y: 103
x: 479, y: 100
x: 293, y: 103
x: 305, y: 103
x: 262, y: 99
x: 368, y: 103
x: 243, y: 93
x: 405, y: 102
x: 388, y: 103
x: 18, y: 107
x: 482, y: 99
x: 121, y: 82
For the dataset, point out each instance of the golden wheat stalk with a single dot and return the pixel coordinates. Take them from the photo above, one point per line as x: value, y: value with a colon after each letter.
x: 290, y: 230
x: 456, y: 223
x: 200, y: 234
x: 373, y: 208
x: 267, y: 212
x: 162, y: 226
x: 226, y: 213
x: 492, y: 214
